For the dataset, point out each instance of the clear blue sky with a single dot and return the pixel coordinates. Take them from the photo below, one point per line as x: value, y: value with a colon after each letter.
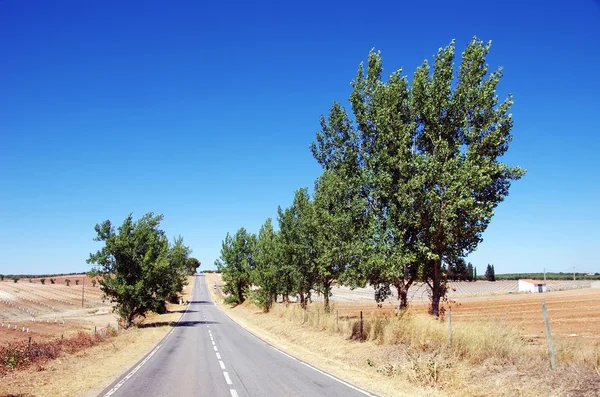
x: 204, y: 113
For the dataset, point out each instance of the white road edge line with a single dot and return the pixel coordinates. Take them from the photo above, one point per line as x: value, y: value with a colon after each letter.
x: 215, y: 347
x: 221, y: 364
x: 227, y: 378
x: 366, y: 393
x: 145, y: 360
x: 233, y: 393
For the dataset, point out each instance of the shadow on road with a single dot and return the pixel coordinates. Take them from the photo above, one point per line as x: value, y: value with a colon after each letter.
x: 201, y: 302
x: 183, y: 311
x: 177, y: 324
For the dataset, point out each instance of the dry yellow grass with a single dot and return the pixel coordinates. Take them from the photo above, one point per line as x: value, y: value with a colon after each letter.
x: 409, y: 355
x: 88, y: 372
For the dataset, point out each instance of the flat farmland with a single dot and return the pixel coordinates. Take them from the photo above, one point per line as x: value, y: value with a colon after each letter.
x: 50, y: 310
x: 573, y: 307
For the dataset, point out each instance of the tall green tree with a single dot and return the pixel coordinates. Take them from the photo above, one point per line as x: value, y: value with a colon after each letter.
x: 427, y: 158
x: 335, y: 244
x: 192, y: 265
x: 236, y: 262
x: 297, y: 231
x: 490, y: 274
x: 264, y: 274
x: 138, y: 270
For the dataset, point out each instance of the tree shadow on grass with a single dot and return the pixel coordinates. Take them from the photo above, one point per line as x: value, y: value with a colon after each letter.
x: 177, y: 324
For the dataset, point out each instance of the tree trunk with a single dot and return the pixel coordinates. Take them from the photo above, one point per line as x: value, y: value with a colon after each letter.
x: 402, y: 285
x: 286, y: 298
x: 326, y: 291
x: 436, y: 288
x: 302, y: 300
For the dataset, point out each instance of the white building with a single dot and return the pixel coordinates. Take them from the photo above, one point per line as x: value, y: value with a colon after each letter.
x: 529, y: 285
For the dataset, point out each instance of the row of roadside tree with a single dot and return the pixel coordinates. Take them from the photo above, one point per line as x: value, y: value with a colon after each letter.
x: 410, y: 182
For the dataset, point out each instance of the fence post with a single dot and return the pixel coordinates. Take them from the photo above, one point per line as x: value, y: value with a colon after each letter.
x: 361, y: 326
x: 95, y: 334
x: 549, y: 337
x: 450, y: 327
x: 29, y: 342
x: 304, y: 315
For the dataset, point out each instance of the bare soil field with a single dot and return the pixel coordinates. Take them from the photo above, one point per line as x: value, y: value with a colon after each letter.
x: 573, y: 307
x: 51, y: 310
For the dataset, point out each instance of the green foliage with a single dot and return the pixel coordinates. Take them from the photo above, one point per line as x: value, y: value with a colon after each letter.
x: 192, y: 265
x: 43, y: 280
x: 296, y: 228
x: 93, y: 282
x: 425, y: 156
x: 231, y: 300
x: 264, y: 274
x: 549, y: 276
x: 68, y: 282
x: 76, y: 281
x: 490, y: 274
x: 334, y: 244
x: 138, y: 267
x: 15, y: 279
x: 235, y: 263
x: 52, y: 281
x: 1, y: 277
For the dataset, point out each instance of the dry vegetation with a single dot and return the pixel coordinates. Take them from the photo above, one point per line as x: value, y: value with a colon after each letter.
x: 489, y: 356
x: 81, y: 362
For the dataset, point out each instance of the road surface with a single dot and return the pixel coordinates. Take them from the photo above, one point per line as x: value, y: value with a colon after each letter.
x: 207, y: 354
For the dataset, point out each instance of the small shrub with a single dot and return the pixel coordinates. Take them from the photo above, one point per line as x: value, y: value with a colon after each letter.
x: 43, y: 280
x: 1, y: 277
x: 68, y: 282
x: 76, y: 282
x: 231, y: 300
x: 15, y: 279
x: 93, y: 283
x: 52, y: 281
x: 30, y: 280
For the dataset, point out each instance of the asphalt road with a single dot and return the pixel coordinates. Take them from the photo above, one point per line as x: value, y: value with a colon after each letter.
x: 207, y: 354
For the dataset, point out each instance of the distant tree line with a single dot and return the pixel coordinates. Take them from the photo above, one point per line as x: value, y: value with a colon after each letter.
x: 549, y: 276
x: 10, y: 276
x: 409, y: 184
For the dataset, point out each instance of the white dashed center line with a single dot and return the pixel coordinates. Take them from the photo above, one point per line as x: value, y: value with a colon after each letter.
x: 221, y: 363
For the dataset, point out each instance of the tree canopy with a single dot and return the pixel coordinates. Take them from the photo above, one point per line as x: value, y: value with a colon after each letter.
x: 139, y: 269
x: 411, y: 179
